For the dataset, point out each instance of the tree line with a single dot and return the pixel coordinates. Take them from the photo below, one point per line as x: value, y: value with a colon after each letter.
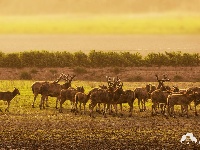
x: 96, y: 59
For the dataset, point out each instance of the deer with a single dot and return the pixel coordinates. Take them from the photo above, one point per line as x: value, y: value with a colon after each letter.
x: 53, y: 90
x: 8, y: 96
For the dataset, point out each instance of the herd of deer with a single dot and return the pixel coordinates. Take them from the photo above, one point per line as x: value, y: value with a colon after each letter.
x: 162, y: 97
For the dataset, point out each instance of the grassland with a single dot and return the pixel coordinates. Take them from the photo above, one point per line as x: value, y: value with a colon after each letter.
x: 101, y: 24
x: 31, y: 128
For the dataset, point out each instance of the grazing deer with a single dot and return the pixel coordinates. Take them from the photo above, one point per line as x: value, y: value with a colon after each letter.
x: 8, y: 96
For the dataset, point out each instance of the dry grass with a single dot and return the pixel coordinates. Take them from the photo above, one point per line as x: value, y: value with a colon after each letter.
x: 144, y: 74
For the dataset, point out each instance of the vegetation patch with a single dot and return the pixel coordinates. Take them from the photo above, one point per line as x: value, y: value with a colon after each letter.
x: 53, y: 71
x: 34, y: 71
x: 25, y: 76
x: 178, y: 78
x: 80, y: 70
x: 116, y: 70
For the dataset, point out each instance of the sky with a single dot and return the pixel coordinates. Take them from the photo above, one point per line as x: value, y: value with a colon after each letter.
x: 55, y: 7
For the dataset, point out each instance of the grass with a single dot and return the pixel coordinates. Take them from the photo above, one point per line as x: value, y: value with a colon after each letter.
x: 25, y: 127
x: 101, y: 24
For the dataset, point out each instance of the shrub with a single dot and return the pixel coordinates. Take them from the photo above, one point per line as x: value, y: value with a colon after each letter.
x: 33, y: 71
x: 116, y: 70
x: 25, y: 76
x: 53, y: 71
x: 135, y: 79
x: 80, y: 70
x: 178, y: 78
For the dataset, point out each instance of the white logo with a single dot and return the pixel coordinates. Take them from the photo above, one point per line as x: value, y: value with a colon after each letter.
x: 188, y: 138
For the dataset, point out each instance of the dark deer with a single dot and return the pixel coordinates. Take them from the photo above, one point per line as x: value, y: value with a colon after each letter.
x: 53, y: 89
x: 8, y: 96
x: 69, y: 94
x: 161, y: 85
x: 128, y: 96
x: 36, y: 88
x: 81, y: 98
x: 142, y: 94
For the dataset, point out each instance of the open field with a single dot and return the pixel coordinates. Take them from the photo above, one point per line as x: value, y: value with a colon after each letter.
x: 25, y: 127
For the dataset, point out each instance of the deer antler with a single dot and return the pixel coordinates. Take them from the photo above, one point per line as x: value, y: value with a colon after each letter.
x: 58, y: 79
x: 71, y: 78
x: 65, y: 77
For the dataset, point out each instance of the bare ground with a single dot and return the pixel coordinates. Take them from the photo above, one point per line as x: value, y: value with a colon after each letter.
x: 129, y: 74
x: 47, y: 129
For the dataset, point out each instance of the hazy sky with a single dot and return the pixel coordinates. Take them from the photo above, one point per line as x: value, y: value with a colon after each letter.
x: 32, y: 7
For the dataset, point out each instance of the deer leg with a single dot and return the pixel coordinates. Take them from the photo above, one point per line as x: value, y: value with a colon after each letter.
x: 186, y: 108
x: 61, y: 102
x: 7, y: 109
x: 46, y: 99
x: 172, y: 111
x: 131, y: 109
x: 42, y: 102
x: 84, y: 107
x: 80, y: 106
x: 92, y: 105
x: 115, y: 107
x: 195, y: 109
x: 120, y: 107
x: 144, y: 109
x: 190, y: 106
x: 139, y: 104
x: 57, y: 100
x: 98, y: 107
x: 105, y: 108
x: 33, y: 104
x: 73, y: 108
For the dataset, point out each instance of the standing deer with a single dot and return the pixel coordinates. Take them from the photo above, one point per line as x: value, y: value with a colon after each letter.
x: 53, y: 90
x: 36, y: 88
x: 69, y: 94
x: 8, y: 96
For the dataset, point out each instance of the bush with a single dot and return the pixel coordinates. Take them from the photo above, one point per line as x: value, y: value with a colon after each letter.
x: 25, y: 76
x: 178, y: 78
x: 135, y: 79
x: 33, y: 71
x: 53, y: 71
x: 116, y: 70
x: 80, y: 70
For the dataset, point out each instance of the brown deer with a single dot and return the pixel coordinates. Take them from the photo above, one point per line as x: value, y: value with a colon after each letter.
x: 8, y: 96
x: 142, y: 94
x: 69, y: 94
x: 81, y: 98
x: 53, y: 90
x: 36, y: 88
x: 180, y: 99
